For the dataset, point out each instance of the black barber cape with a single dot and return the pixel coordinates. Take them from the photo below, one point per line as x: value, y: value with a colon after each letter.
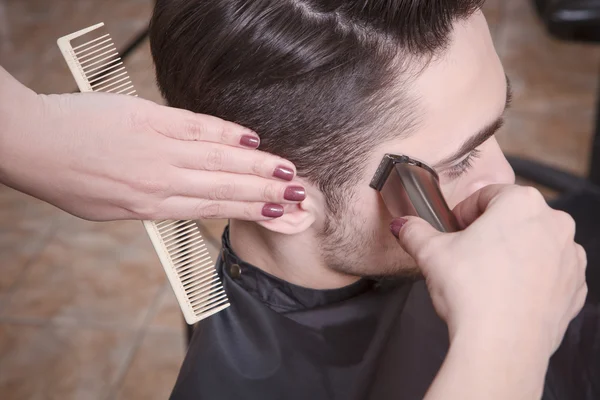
x: 369, y: 340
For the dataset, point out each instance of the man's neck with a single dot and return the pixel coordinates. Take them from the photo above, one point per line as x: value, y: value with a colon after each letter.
x: 296, y: 259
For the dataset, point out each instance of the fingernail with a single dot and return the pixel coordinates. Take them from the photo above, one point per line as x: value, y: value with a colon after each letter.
x: 294, y: 193
x: 250, y: 141
x: 272, y: 211
x: 396, y: 225
x: 285, y: 173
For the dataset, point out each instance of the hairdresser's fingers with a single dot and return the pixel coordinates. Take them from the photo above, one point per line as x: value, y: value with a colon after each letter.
x: 185, y: 208
x: 186, y: 125
x: 579, y: 300
x: 234, y: 187
x: 580, y: 297
x: 474, y: 206
x: 581, y: 256
x: 217, y: 157
x: 416, y: 238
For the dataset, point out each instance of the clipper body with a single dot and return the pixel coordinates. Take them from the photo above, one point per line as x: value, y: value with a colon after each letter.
x: 410, y: 187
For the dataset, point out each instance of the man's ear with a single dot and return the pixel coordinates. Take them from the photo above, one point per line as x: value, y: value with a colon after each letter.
x: 297, y: 218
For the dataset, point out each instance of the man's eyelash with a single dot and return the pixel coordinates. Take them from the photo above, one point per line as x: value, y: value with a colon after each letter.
x: 457, y: 170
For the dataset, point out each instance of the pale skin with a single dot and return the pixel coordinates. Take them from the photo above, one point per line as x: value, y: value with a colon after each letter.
x: 512, y: 242
x: 106, y: 157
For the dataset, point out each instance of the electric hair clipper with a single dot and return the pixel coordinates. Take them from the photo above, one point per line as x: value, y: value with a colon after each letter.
x: 410, y: 187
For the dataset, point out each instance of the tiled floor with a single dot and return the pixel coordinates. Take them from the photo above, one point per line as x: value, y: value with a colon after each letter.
x: 85, y: 311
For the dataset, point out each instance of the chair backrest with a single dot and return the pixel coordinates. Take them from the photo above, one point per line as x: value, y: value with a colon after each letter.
x: 577, y: 20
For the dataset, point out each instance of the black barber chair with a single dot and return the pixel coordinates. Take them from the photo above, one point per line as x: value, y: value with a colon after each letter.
x: 576, y: 20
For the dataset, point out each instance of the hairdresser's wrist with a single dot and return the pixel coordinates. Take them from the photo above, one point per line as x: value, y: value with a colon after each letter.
x: 503, y: 361
x: 504, y: 325
x: 484, y: 364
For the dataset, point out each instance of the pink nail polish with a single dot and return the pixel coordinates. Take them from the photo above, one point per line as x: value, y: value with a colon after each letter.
x: 295, y: 193
x: 285, y: 173
x: 272, y: 210
x: 397, y: 225
x: 250, y: 141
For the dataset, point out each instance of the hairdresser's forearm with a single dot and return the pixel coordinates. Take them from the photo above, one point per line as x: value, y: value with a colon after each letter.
x: 16, y: 99
x: 18, y: 111
x: 491, y: 366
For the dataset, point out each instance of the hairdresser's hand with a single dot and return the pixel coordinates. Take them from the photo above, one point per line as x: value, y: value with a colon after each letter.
x: 514, y: 271
x: 106, y: 157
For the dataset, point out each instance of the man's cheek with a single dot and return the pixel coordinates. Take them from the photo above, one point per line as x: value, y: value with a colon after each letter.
x: 368, y: 207
x: 453, y: 193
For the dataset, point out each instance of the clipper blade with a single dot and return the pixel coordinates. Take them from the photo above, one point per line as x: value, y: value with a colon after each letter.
x: 411, y: 187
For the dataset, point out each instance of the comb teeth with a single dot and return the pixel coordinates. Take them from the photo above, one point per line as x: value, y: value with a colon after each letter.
x: 193, y: 266
x: 96, y: 66
x: 92, y: 53
x: 102, y: 66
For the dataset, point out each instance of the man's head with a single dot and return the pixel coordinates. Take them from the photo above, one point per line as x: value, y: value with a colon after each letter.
x: 333, y: 85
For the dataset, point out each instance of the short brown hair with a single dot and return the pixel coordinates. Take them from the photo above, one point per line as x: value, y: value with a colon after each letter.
x: 311, y: 77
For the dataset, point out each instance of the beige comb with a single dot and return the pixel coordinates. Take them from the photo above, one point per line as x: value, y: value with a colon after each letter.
x: 97, y: 67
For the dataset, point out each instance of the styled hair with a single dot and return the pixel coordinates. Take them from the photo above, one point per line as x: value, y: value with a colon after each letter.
x: 321, y: 81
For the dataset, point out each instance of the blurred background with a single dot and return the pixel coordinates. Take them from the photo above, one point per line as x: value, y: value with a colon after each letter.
x: 85, y: 309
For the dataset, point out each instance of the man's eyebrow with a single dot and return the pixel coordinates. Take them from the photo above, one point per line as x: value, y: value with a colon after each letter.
x: 482, y: 136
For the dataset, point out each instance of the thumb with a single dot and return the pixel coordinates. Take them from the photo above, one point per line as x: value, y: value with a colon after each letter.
x: 413, y: 234
x: 474, y: 206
